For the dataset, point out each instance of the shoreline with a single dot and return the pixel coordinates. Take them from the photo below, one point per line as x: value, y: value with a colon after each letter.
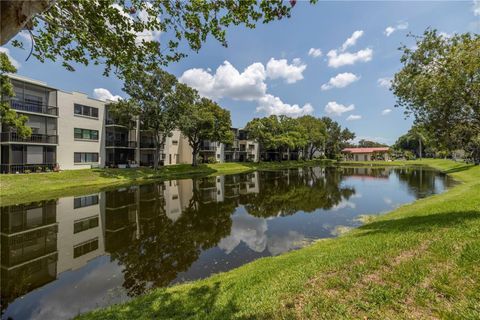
x: 422, y: 256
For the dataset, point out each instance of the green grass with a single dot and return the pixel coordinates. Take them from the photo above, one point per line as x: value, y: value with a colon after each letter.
x: 19, y: 188
x: 421, y: 261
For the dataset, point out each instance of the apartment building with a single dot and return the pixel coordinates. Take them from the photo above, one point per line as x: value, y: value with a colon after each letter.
x: 241, y: 150
x: 71, y: 130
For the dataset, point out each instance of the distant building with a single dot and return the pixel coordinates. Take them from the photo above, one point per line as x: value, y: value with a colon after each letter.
x: 366, y: 154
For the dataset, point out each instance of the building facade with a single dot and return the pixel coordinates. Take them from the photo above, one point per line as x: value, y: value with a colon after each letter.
x: 366, y: 154
x: 73, y: 131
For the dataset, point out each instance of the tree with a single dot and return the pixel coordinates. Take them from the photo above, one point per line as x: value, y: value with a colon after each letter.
x: 8, y: 116
x: 440, y: 85
x: 316, y: 134
x: 157, y: 98
x: 278, y: 133
x: 363, y: 143
x: 205, y: 120
x: 336, y: 138
x: 125, y: 34
x: 416, y: 140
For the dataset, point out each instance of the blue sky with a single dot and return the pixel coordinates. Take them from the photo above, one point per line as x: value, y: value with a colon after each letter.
x: 268, y: 70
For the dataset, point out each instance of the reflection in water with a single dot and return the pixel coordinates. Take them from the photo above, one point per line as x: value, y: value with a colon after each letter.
x: 101, y: 248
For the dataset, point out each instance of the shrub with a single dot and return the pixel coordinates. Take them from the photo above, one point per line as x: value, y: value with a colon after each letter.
x: 211, y: 160
x: 27, y: 171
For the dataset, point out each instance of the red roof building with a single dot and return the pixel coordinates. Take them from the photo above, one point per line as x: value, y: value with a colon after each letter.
x: 366, y: 154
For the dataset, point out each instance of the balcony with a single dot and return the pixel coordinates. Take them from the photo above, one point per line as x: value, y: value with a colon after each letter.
x: 32, y: 107
x: 149, y: 145
x: 121, y: 144
x: 34, y: 138
x: 208, y: 148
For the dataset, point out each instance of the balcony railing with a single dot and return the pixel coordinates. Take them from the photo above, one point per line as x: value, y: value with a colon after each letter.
x: 122, y: 144
x: 149, y: 145
x: 208, y: 148
x: 32, y: 107
x: 34, y: 138
x: 21, y: 168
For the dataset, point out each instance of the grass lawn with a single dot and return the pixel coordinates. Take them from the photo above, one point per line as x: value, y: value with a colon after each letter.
x: 18, y: 188
x: 421, y: 261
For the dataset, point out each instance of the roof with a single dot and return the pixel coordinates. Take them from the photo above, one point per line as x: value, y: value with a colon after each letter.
x: 365, y: 150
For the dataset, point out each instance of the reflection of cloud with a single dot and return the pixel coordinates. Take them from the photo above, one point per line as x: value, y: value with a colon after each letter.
x: 387, y: 200
x: 252, y: 231
x: 279, y: 244
x: 344, y: 204
x: 72, y: 294
x: 247, y: 229
x: 339, y: 230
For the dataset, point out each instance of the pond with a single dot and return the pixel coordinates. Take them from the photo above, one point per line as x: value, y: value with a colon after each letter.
x: 62, y: 257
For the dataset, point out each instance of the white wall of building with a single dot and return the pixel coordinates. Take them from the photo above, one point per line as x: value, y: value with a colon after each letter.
x: 68, y: 120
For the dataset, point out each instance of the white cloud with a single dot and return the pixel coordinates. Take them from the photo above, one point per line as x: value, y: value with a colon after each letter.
x: 143, y: 16
x: 341, y: 80
x: 14, y: 62
x: 386, y: 111
x: 384, y: 82
x: 281, y: 69
x: 227, y: 81
x: 352, y: 40
x: 275, y: 106
x: 105, y: 95
x: 313, y: 52
x: 445, y: 35
x: 476, y: 7
x: 389, y: 30
x: 336, y: 60
x: 249, y: 85
x: 354, y: 117
x: 338, y: 109
x: 400, y: 26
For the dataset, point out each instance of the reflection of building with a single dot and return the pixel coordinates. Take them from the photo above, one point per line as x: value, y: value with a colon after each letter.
x: 81, y: 231
x: 28, y: 248
x: 41, y: 240
x: 367, y: 173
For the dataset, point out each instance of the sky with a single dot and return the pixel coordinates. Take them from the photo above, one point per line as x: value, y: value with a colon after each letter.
x: 334, y: 58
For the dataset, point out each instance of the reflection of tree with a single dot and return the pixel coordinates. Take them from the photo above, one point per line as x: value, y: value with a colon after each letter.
x: 164, y: 248
x: 420, y: 182
x: 289, y: 191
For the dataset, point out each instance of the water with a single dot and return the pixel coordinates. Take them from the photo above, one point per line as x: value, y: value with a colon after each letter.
x: 62, y: 257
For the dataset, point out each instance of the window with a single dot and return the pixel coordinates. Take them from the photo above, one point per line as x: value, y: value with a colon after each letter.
x: 85, y: 248
x: 87, y: 111
x: 85, y: 201
x: 85, y: 134
x: 85, y: 157
x: 85, y: 224
x: 174, y: 142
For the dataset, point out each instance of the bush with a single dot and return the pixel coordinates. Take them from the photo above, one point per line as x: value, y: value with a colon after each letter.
x: 27, y: 171
x: 211, y: 160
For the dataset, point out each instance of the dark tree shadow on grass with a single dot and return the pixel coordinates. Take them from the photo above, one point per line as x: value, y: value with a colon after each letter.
x: 419, y: 223
x: 196, y: 303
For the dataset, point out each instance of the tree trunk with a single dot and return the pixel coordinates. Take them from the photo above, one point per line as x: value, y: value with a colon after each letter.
x: 194, y: 156
x: 17, y: 14
x: 158, y: 140
x: 420, y: 147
